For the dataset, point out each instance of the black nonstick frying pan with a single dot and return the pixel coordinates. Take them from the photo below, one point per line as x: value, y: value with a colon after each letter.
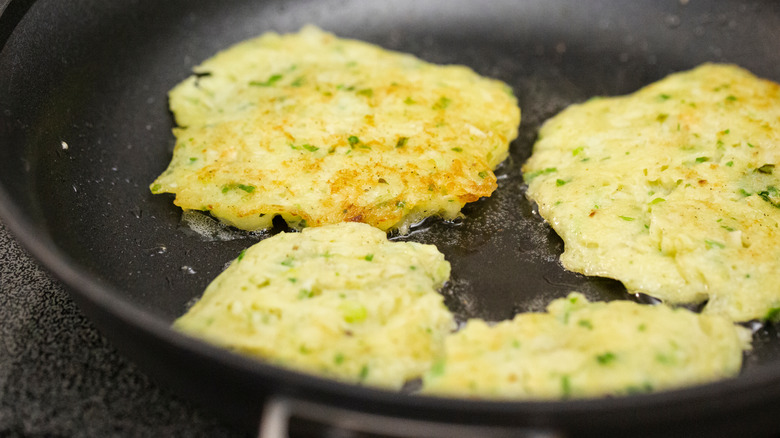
x: 84, y: 128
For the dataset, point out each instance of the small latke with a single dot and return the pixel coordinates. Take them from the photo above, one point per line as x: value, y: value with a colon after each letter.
x: 339, y: 301
x: 321, y: 130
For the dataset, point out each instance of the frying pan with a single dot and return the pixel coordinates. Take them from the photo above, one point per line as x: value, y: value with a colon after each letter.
x: 84, y: 128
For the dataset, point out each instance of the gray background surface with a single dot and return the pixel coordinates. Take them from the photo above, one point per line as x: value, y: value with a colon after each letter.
x: 60, y: 377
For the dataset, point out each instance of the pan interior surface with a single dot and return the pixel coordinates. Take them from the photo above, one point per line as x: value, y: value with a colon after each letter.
x: 85, y: 127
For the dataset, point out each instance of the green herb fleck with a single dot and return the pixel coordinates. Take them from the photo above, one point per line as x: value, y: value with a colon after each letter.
x: 531, y: 175
x: 369, y: 257
x: 409, y: 101
x: 364, y: 372
x: 367, y: 92
x: 585, y: 323
x: 773, y: 314
x: 627, y: 218
x: 702, y: 159
x: 664, y: 96
x: 401, y: 142
x: 338, y: 358
x: 442, y: 103
x: 437, y: 369
x: 353, y: 312
x: 288, y: 261
x: 559, y: 182
x: 156, y: 188
x: 271, y: 81
x: 193, y: 159
x: 713, y: 244
x: 606, y: 358
x: 310, y: 148
x: 728, y: 228
x: 576, y: 151
x: 766, y: 169
x: 241, y: 255
x: 657, y: 200
x: 730, y: 163
x: 353, y: 140
x: 233, y: 186
x: 305, y: 293
x: 731, y: 98
x: 483, y: 174
x: 662, y: 117
x: 565, y: 386
x: 297, y: 82
x: 457, y: 149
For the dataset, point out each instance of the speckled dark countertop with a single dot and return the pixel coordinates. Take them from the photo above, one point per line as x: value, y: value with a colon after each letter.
x: 59, y: 377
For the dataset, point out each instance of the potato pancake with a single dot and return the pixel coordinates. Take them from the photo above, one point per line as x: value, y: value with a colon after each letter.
x: 321, y: 130
x: 339, y: 301
x: 582, y: 349
x: 673, y: 190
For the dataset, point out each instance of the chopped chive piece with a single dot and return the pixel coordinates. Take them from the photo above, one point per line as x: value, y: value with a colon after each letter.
x: 364, y: 372
x: 664, y: 96
x: 559, y: 182
x: 442, y: 103
x: 409, y: 101
x: 731, y: 98
x: 585, y: 323
x: 606, y: 358
x: 577, y: 151
x: 310, y: 148
x: 369, y: 257
x: 483, y: 174
x: 353, y: 140
x: 531, y: 175
x: 662, y: 117
x: 702, y: 159
x: 457, y: 149
x: 241, y: 255
x: 657, y: 200
x: 368, y: 92
x: 437, y: 369
x: 773, y: 315
x: 272, y: 80
x: 713, y: 244
x: 246, y: 188
x: 401, y: 142
x: 626, y: 218
x: 565, y: 386
x: 297, y: 82
x: 766, y: 169
x: 288, y: 261
x: 156, y: 188
x: 338, y: 359
x: 730, y: 163
x: 728, y: 228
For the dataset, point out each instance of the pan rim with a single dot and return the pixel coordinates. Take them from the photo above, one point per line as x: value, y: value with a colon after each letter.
x: 83, y: 285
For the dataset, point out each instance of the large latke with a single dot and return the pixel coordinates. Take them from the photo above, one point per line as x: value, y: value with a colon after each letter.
x: 581, y: 349
x: 322, y: 130
x: 673, y: 190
